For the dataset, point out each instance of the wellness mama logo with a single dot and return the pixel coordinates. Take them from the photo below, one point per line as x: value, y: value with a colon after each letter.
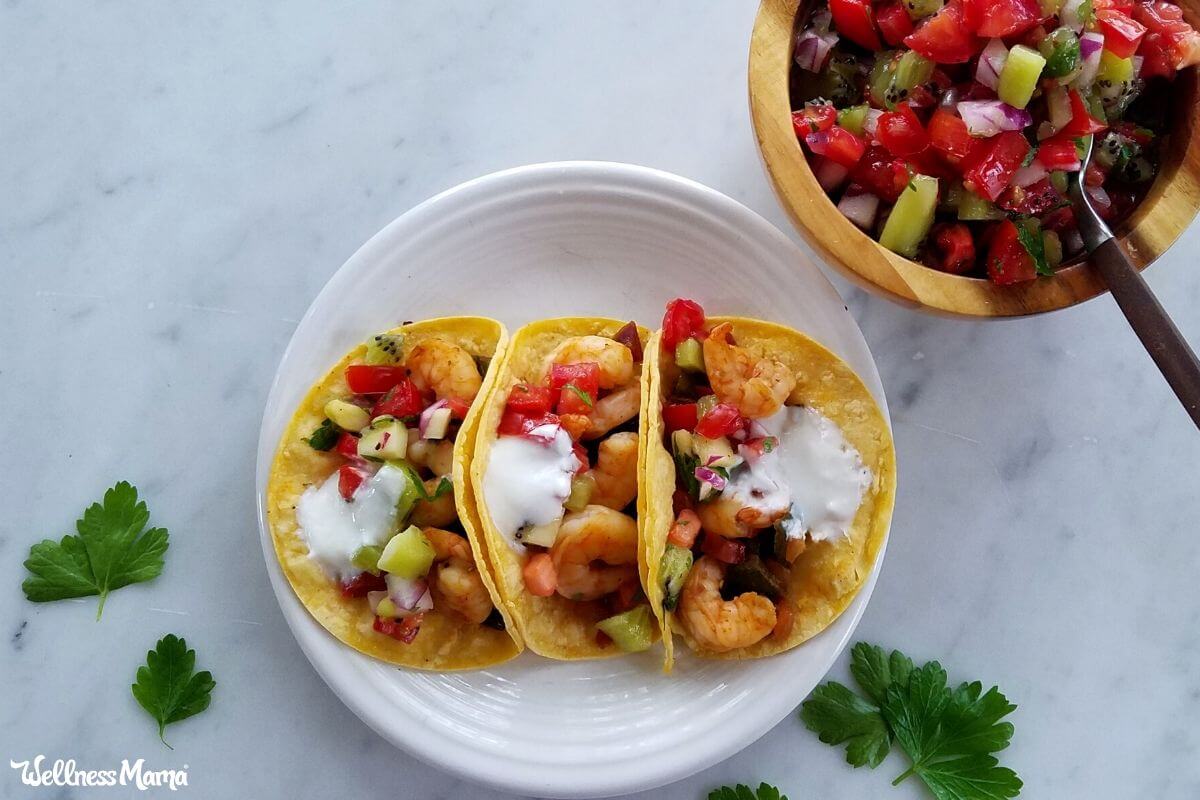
x: 65, y: 773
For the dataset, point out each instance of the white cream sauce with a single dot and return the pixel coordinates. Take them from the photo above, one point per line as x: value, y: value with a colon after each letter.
x: 335, y: 528
x: 813, y: 467
x: 527, y: 480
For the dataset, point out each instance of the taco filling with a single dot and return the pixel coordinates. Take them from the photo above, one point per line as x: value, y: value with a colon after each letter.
x: 560, y: 482
x: 760, y: 478
x: 384, y: 524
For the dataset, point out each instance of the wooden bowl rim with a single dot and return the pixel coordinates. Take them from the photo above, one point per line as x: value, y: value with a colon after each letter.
x: 1144, y: 235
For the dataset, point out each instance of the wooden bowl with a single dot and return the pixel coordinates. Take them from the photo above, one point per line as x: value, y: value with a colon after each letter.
x: 1166, y: 211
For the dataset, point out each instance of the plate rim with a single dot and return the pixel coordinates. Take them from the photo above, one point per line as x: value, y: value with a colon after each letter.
x: 305, y: 630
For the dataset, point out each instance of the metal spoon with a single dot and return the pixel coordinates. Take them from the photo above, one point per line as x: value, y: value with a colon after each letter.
x: 1149, y: 321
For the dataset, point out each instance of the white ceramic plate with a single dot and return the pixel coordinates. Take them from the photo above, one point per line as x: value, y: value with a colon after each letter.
x: 544, y: 241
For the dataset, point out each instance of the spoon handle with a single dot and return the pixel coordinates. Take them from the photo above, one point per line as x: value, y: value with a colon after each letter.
x: 1152, y: 325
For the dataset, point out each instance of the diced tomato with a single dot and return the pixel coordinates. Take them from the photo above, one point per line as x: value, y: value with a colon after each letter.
x: 1082, y: 122
x: 1170, y: 43
x: 761, y: 445
x: 998, y: 18
x: 901, y: 132
x: 584, y: 377
x: 894, y: 23
x: 1033, y: 37
x: 955, y: 247
x: 581, y: 454
x: 948, y: 135
x: 1131, y: 130
x: 1058, y: 220
x: 541, y: 579
x: 524, y: 398
x: 721, y: 420
x: 514, y: 423
x: 683, y: 320
x: 349, y: 479
x: 685, y: 530
x: 369, y: 379
x: 727, y: 551
x: 944, y: 37
x: 1121, y: 34
x: 1095, y: 175
x: 1035, y: 199
x: 838, y: 145
x: 402, y: 400
x: 363, y: 582
x: 881, y: 173
x: 347, y: 445
x: 1123, y: 6
x: 991, y: 174
x: 812, y: 118
x: 404, y: 630
x: 679, y: 417
x: 458, y: 407
x: 854, y: 20
x: 1058, y: 152
x: 1008, y: 261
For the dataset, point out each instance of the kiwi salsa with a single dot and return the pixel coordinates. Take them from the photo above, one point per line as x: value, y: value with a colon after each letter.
x: 947, y: 131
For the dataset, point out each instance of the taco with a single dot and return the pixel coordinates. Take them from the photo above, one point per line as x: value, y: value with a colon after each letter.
x: 769, y: 481
x: 556, y: 475
x: 368, y: 504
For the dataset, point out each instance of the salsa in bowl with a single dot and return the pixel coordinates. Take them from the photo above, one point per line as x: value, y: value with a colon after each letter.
x: 946, y: 133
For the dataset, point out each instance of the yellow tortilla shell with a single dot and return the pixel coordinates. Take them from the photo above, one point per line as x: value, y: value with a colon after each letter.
x: 446, y: 641
x: 553, y: 626
x: 827, y: 575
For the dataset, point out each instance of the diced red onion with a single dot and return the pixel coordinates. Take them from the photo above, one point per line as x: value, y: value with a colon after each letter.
x: 1091, y: 45
x: 407, y: 595
x: 628, y: 336
x: 812, y: 48
x: 821, y: 20
x: 1029, y: 174
x: 991, y: 63
x: 872, y: 121
x: 989, y: 117
x: 860, y: 209
x: 711, y: 477
x: 427, y: 415
x: 830, y: 174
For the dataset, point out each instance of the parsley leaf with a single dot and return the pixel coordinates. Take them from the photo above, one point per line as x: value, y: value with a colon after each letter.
x: 1029, y: 234
x: 168, y: 686
x: 744, y: 792
x: 112, y: 549
x: 949, y: 735
x: 324, y: 437
x: 685, y: 472
x: 838, y: 715
x: 581, y: 394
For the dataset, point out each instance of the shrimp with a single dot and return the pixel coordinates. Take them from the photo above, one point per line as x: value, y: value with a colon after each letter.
x: 437, y: 456
x: 445, y: 369
x: 756, y: 388
x: 615, y: 471
x: 439, y: 511
x: 456, y: 579
x: 596, y: 551
x: 614, y: 358
x: 728, y: 515
x: 720, y: 625
x: 613, y: 410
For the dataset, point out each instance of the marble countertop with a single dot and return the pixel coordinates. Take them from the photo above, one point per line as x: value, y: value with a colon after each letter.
x: 181, y: 179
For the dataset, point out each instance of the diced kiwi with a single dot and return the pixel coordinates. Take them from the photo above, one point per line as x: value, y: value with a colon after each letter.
x: 1053, y: 249
x: 854, y: 118
x: 1114, y: 68
x: 543, y: 535
x: 366, y: 558
x: 673, y: 571
x: 582, y: 487
x: 384, y: 348
x: 689, y: 356
x: 706, y: 404
x: 1061, y: 49
x: 632, y: 630
x: 1019, y: 78
x: 407, y: 555
x: 1058, y: 179
x: 346, y: 415
x: 919, y: 9
x: 894, y: 77
x: 386, y: 608
x: 972, y: 207
x: 386, y: 439
x: 752, y: 575
x: 911, y: 217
